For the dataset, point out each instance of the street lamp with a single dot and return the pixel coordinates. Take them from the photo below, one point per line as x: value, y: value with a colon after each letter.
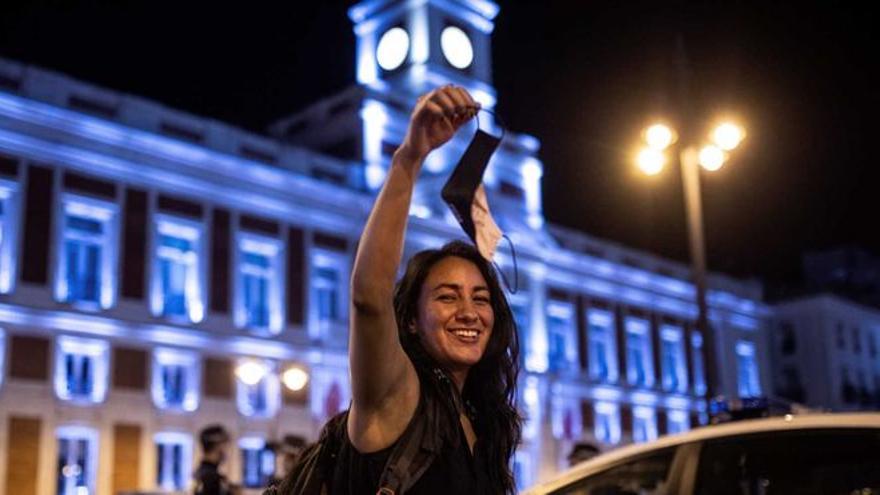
x: 711, y: 156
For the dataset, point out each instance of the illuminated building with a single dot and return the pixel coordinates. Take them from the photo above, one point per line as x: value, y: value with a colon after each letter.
x: 161, y: 271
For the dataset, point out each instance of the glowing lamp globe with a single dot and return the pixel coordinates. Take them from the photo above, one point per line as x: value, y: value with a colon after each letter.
x: 295, y: 378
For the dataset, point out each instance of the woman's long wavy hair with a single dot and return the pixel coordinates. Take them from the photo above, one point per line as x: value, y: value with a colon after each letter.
x: 490, y: 388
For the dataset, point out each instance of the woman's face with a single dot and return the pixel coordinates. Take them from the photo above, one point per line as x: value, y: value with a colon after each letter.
x: 455, y: 315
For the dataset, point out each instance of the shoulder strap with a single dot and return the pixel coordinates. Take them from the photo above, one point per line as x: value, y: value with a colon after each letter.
x: 413, y: 453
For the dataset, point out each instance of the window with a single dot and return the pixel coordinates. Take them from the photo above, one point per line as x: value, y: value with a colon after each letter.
x: 644, y: 424
x: 805, y: 462
x: 258, y: 301
x: 639, y: 364
x: 258, y: 389
x: 257, y: 462
x: 607, y: 427
x: 672, y: 359
x: 848, y: 391
x: 329, y: 278
x: 677, y: 421
x: 175, y: 380
x: 77, y: 460
x: 602, y: 347
x: 787, y: 338
x: 749, y: 384
x: 856, y: 340
x: 699, y: 371
x: 643, y: 476
x: 563, y: 346
x: 85, y: 273
x: 81, y: 369
x: 173, y: 460
x: 177, y: 282
x: 8, y: 234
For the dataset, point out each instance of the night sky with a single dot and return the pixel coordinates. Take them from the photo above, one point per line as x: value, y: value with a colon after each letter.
x: 583, y: 77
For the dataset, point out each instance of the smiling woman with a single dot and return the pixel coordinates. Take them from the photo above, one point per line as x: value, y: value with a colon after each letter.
x: 435, y: 353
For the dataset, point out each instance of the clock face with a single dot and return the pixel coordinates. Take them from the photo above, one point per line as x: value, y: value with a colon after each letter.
x: 457, y: 47
x: 393, y: 48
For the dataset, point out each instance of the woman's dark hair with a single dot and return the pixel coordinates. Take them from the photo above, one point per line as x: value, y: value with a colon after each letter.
x: 490, y: 388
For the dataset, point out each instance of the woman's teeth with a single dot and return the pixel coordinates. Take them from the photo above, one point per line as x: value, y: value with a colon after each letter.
x: 470, y: 334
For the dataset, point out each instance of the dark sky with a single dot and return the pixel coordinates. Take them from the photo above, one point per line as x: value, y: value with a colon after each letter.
x: 584, y: 77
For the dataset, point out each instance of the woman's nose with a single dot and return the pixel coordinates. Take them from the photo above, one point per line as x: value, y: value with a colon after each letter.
x: 466, y: 312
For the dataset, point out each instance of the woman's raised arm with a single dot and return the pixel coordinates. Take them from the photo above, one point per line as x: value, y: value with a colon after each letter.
x: 384, y: 384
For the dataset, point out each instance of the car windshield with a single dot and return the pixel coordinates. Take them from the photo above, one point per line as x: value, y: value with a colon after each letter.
x: 806, y: 462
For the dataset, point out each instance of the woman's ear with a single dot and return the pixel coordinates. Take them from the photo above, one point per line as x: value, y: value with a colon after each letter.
x: 411, y: 328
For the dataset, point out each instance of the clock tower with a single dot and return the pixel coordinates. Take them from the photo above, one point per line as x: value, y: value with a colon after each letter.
x: 406, y: 48
x: 415, y: 46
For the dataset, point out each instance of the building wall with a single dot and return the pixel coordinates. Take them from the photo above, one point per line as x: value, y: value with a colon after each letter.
x: 832, y: 345
x: 70, y: 148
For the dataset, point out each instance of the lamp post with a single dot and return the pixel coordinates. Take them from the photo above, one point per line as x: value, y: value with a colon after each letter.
x: 711, y: 157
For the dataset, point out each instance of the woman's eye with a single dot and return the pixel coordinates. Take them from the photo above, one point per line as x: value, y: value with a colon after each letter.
x: 446, y: 297
x: 482, y: 300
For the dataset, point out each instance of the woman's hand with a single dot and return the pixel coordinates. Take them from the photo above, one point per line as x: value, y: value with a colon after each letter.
x: 436, y: 118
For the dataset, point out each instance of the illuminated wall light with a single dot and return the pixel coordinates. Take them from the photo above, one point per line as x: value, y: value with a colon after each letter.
x: 251, y: 372
x: 393, y: 48
x: 457, y: 47
x: 254, y: 375
x: 295, y: 378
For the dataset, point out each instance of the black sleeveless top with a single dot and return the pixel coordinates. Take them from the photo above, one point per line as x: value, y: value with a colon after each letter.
x: 454, y: 471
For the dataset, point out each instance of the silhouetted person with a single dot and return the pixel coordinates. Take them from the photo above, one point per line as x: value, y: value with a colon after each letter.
x: 209, y: 481
x: 287, y: 452
x: 582, y: 451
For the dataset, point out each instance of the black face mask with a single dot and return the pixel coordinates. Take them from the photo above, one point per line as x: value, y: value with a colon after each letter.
x: 464, y: 194
x: 461, y: 188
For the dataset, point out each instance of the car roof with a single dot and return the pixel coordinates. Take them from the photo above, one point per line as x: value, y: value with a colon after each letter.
x: 780, y: 423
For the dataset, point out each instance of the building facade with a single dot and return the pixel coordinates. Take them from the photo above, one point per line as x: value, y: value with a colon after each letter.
x: 160, y: 271
x: 824, y: 351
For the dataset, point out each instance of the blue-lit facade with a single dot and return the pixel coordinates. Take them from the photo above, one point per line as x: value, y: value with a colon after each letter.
x: 160, y: 271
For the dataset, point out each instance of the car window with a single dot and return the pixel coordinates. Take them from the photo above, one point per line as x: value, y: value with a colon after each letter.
x: 806, y: 462
x: 644, y: 476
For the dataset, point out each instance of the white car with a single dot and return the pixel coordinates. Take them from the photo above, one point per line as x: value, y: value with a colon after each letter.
x: 827, y: 454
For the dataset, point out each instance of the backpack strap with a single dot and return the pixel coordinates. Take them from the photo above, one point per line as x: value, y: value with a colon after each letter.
x: 415, y: 451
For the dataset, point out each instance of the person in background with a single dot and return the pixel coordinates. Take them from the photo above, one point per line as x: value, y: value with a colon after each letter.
x: 581, y: 452
x: 208, y: 480
x: 287, y: 452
